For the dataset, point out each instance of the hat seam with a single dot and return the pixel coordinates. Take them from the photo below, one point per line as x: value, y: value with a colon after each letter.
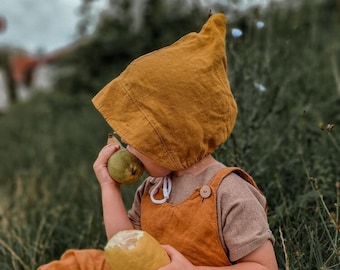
x: 168, y: 152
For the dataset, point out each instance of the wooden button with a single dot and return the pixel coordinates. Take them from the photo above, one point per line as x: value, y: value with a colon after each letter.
x: 205, y: 192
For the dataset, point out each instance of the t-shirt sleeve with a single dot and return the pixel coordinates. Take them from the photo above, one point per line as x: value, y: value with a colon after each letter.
x: 134, y: 212
x: 242, y: 217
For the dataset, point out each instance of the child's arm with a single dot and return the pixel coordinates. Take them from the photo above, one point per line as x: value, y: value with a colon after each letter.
x: 262, y: 258
x: 114, y: 212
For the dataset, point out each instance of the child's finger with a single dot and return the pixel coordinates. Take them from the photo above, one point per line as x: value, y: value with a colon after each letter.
x: 105, y: 154
x: 108, y: 150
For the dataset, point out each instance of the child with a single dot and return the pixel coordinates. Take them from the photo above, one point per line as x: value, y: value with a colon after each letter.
x: 173, y: 107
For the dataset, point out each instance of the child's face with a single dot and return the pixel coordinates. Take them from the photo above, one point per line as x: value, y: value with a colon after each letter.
x: 152, y: 168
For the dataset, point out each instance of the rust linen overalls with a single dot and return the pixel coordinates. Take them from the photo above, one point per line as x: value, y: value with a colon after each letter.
x: 192, y: 225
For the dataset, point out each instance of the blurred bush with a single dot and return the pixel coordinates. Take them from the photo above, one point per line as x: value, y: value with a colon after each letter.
x: 118, y: 40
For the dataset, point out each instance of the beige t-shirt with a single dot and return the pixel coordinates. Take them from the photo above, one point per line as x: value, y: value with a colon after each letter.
x: 242, y: 220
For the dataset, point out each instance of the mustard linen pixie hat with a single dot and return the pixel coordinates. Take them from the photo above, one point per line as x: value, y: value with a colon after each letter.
x: 174, y: 105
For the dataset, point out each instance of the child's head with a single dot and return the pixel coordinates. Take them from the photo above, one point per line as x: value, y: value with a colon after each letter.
x: 174, y: 105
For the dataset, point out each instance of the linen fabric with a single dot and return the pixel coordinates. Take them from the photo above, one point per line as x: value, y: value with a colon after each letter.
x: 242, y: 223
x: 85, y: 259
x: 240, y: 208
x: 174, y: 105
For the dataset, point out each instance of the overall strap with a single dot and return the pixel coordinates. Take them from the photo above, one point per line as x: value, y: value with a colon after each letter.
x: 222, y: 173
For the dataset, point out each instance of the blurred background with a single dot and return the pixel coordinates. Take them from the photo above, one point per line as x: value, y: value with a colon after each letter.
x: 35, y: 36
x: 284, y: 71
x: 39, y: 26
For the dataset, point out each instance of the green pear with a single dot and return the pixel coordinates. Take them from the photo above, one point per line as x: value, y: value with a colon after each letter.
x: 123, y: 166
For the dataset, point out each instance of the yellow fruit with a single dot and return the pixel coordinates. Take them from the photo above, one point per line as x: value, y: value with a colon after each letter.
x: 135, y: 249
x: 124, y: 167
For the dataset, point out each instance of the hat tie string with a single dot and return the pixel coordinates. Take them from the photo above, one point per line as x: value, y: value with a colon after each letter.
x: 167, y: 186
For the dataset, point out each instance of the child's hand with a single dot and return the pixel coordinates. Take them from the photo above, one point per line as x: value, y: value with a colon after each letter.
x: 178, y: 261
x: 100, y: 165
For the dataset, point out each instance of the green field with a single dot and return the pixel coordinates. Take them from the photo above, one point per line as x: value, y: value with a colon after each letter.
x: 285, y: 78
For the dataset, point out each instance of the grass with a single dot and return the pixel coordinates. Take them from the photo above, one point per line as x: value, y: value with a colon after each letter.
x: 49, y: 197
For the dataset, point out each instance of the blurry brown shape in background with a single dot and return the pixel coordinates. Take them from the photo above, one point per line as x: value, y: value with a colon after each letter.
x: 3, y: 24
x: 22, y: 68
